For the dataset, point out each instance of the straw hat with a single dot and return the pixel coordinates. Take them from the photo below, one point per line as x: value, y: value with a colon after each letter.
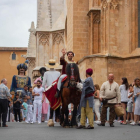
x: 52, y: 64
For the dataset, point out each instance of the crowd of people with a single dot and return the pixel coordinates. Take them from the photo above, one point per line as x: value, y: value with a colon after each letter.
x: 26, y: 106
x: 110, y: 94
x: 97, y: 105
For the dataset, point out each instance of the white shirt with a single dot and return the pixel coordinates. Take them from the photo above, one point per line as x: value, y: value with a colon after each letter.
x: 39, y: 91
x: 109, y: 91
x: 130, y: 100
x: 124, y: 93
x: 50, y: 77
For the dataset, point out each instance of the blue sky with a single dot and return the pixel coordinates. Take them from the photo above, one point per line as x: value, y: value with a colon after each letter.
x: 15, y: 20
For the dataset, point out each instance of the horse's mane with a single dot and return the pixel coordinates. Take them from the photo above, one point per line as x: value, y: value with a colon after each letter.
x: 76, y: 70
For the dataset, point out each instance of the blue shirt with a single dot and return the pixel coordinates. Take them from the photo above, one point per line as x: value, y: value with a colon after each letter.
x: 4, y: 91
x: 25, y: 105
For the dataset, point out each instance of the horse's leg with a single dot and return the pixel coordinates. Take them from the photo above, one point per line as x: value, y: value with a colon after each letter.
x: 50, y: 122
x: 57, y: 113
x: 73, y: 121
x: 66, y: 117
x: 61, y: 117
x: 51, y: 113
x: 62, y: 114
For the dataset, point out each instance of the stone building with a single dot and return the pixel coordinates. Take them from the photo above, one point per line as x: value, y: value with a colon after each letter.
x: 104, y: 35
x: 10, y: 58
x: 47, y: 39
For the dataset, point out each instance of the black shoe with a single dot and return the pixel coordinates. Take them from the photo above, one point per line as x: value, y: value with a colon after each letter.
x: 0, y: 124
x: 57, y: 94
x: 112, y: 125
x: 89, y: 127
x: 101, y: 124
x: 81, y: 127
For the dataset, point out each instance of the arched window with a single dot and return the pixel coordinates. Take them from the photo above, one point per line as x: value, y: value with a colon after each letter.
x: 13, y: 56
x: 139, y: 23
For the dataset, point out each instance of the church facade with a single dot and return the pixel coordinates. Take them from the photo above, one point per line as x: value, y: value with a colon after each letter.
x: 104, y: 35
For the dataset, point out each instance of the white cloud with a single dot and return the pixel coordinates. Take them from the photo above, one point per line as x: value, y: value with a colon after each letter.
x: 15, y: 20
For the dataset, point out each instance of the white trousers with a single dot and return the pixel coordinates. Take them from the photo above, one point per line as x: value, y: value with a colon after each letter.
x: 59, y: 81
x: 30, y: 114
x: 21, y: 110
x: 48, y: 114
x: 97, y: 105
x: 37, y: 106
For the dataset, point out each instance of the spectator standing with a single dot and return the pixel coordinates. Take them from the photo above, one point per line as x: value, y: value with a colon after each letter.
x: 16, y: 107
x: 24, y: 94
x: 124, y: 97
x: 130, y: 104
x: 97, y: 102
x: 25, y: 109
x: 137, y: 101
x: 110, y: 92
x: 30, y: 106
x: 4, y: 93
x: 38, y: 93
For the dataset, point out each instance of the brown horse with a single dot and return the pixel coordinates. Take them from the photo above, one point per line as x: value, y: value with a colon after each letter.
x: 70, y: 94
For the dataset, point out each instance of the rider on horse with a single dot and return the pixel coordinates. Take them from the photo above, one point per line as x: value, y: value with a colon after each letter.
x: 64, y: 63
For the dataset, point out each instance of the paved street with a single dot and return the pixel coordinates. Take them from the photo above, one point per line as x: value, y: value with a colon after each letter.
x: 22, y: 131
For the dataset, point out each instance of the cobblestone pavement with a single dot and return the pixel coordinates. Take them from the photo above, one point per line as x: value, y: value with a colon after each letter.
x: 22, y: 131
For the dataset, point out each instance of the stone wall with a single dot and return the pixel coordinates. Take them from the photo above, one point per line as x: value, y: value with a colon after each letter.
x: 127, y: 67
x: 77, y: 27
x: 104, y: 65
x: 99, y: 66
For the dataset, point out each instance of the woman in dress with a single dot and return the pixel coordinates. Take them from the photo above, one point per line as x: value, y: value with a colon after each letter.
x: 137, y: 101
x: 124, y: 97
x: 97, y: 103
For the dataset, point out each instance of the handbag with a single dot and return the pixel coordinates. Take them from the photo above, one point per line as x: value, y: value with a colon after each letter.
x: 119, y: 110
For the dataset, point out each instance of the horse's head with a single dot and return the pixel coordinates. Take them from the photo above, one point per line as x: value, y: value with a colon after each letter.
x: 72, y: 71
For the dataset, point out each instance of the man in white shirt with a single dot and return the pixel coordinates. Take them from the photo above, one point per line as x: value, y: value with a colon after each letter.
x: 38, y: 93
x: 109, y: 91
x: 49, y: 77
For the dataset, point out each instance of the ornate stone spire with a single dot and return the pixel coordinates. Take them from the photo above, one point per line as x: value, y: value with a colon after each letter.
x: 44, y: 15
x: 32, y: 42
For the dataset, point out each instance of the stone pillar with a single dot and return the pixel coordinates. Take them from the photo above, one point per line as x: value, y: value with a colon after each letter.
x: 90, y: 14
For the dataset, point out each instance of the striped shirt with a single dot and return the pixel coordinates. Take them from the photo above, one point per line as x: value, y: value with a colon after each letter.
x: 4, y: 91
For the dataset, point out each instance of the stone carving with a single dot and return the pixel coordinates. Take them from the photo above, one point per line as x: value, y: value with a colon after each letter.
x: 58, y: 37
x: 104, y: 4
x: 96, y: 18
x: 44, y: 39
x: 114, y: 4
x: 111, y: 3
x: 31, y: 62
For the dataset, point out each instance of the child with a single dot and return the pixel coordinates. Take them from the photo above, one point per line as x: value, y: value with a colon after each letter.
x: 25, y: 108
x: 30, y: 107
x: 16, y: 106
x: 86, y: 102
x: 129, y: 104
